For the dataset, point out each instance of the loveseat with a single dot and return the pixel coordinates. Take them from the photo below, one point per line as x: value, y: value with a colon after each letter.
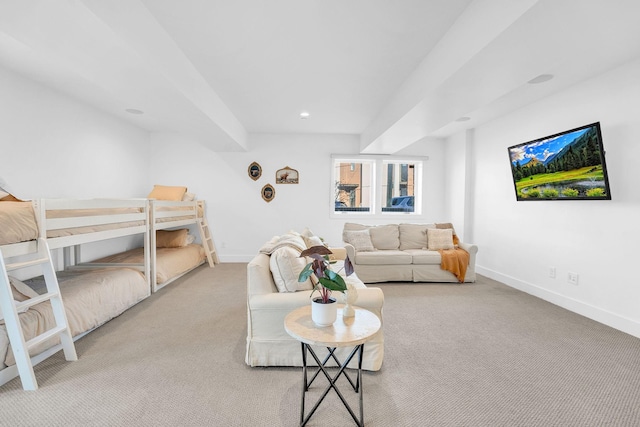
x: 273, y: 292
x: 409, y: 252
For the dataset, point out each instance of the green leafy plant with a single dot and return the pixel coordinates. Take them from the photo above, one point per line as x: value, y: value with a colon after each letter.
x: 549, y: 193
x: 570, y: 192
x: 328, y: 280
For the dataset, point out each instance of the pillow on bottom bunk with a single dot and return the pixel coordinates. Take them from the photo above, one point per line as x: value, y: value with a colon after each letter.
x: 173, y: 238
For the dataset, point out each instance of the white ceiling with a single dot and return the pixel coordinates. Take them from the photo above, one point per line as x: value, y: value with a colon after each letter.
x: 393, y: 72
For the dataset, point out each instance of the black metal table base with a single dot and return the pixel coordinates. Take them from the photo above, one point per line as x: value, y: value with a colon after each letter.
x: 357, y: 387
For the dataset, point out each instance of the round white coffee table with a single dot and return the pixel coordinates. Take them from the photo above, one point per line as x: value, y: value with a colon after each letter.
x: 345, y: 332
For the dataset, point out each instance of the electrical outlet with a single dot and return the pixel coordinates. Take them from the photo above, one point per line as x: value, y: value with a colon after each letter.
x: 552, y: 272
x: 572, y: 278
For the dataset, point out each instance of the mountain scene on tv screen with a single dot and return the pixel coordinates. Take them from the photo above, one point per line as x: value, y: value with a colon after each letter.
x: 565, y: 166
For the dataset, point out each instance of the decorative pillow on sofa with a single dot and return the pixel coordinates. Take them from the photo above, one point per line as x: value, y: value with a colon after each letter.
x: 311, y: 239
x: 445, y: 225
x: 360, y: 239
x: 285, y: 265
x: 172, y: 238
x: 439, y: 238
x: 385, y: 236
x: 352, y: 226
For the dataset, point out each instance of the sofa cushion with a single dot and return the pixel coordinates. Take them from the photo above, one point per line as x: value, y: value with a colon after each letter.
x: 439, y: 239
x: 360, y: 240
x: 387, y: 257
x: 413, y: 236
x: 385, y: 236
x: 424, y: 257
x: 285, y: 265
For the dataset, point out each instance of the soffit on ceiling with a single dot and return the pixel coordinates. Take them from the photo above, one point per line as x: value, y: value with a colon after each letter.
x: 391, y: 72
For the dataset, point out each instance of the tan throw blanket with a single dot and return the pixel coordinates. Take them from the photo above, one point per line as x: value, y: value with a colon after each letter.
x: 456, y: 261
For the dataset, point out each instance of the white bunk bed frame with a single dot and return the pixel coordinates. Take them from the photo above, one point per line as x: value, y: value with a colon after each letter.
x: 166, y: 215
x: 131, y: 222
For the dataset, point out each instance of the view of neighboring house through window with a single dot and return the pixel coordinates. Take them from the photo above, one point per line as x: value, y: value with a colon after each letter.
x: 355, y: 188
x: 353, y: 185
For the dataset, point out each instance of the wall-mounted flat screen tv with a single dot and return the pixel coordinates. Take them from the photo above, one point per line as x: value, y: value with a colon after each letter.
x: 566, y: 166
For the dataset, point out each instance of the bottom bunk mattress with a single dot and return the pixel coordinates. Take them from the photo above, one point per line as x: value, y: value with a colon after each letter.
x: 90, y: 297
x: 170, y: 262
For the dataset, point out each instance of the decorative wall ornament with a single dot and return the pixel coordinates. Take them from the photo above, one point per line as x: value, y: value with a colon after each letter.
x: 268, y: 192
x: 286, y: 175
x: 254, y: 171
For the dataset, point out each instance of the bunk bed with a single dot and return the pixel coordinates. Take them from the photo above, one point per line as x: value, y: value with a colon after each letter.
x: 173, y: 252
x: 167, y: 252
x: 91, y: 296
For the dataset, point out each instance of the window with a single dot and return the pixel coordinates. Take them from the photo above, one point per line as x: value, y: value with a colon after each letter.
x: 355, y: 189
x: 398, y: 186
x: 353, y: 185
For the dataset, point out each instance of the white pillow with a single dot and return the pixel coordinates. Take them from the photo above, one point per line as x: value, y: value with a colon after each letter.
x: 360, y: 239
x: 439, y: 238
x: 311, y: 239
x: 285, y: 264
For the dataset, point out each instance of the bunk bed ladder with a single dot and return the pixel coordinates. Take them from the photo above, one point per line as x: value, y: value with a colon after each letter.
x: 207, y: 242
x: 10, y: 311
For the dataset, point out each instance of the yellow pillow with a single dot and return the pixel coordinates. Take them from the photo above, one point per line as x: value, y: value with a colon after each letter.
x: 164, y: 192
x: 172, y: 238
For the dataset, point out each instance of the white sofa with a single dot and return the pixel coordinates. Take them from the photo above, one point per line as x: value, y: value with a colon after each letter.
x: 404, y: 253
x: 268, y: 344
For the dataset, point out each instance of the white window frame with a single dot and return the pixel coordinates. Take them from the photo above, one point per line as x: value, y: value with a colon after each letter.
x: 377, y: 197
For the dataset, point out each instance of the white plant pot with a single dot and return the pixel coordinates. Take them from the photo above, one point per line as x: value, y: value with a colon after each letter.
x: 324, y: 314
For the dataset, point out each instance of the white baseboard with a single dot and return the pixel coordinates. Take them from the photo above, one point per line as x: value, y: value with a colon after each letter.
x: 608, y: 318
x: 235, y: 258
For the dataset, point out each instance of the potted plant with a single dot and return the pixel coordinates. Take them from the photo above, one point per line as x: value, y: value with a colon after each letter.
x: 324, y: 308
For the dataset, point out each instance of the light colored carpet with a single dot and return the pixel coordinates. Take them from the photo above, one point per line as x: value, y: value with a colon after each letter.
x: 478, y: 354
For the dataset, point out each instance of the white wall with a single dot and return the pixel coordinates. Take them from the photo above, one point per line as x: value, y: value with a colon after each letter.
x: 240, y: 220
x: 52, y: 146
x: 520, y: 241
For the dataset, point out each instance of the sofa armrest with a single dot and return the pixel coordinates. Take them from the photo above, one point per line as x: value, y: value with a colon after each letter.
x: 259, y: 278
x: 471, y: 248
x: 338, y: 254
x: 351, y: 252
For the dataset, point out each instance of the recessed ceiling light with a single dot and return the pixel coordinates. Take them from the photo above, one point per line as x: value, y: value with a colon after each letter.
x: 463, y: 119
x: 540, y: 79
x: 304, y: 115
x: 134, y: 111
